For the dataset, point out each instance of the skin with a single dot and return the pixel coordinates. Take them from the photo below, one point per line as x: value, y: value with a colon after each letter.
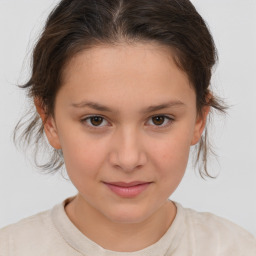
x: 128, y: 145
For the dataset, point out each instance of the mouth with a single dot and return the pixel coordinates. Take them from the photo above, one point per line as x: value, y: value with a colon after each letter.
x: 128, y: 190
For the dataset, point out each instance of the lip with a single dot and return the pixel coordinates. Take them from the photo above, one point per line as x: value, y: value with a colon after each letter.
x: 130, y: 189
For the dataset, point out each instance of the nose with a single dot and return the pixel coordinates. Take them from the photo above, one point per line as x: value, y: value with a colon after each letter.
x: 127, y: 152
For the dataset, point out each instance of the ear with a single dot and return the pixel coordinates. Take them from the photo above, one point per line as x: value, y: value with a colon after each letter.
x: 200, y: 125
x: 49, y: 125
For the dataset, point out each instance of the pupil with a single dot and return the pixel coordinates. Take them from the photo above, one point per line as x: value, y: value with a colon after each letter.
x: 97, y: 120
x: 159, y: 120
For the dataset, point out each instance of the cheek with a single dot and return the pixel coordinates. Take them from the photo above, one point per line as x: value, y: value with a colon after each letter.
x: 171, y: 165
x: 171, y: 155
x: 83, y: 156
x: 84, y: 160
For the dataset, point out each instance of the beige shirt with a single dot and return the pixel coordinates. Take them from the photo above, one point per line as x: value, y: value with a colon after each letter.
x: 51, y: 233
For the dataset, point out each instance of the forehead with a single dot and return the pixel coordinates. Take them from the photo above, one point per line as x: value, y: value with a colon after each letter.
x: 139, y: 71
x: 134, y: 57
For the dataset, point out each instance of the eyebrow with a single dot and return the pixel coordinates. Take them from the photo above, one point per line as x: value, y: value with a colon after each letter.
x: 100, y: 107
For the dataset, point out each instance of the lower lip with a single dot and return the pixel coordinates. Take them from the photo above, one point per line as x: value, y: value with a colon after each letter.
x: 128, y: 191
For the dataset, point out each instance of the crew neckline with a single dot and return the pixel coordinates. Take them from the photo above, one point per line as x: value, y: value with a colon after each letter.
x: 78, y: 241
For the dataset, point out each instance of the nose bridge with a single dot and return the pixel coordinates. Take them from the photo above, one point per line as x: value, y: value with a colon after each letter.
x: 128, y: 148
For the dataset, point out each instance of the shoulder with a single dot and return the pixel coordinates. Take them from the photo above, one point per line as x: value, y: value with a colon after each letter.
x: 228, y: 238
x: 33, y: 221
x: 24, y: 233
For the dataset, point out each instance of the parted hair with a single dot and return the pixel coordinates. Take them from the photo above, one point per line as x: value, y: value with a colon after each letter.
x: 77, y: 25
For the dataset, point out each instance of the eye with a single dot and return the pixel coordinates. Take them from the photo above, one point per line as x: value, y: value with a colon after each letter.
x: 161, y: 120
x: 94, y: 121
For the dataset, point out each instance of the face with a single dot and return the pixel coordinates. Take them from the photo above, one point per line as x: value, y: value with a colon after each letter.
x: 125, y: 114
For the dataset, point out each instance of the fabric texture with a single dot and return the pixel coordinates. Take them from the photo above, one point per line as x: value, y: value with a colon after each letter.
x: 51, y: 233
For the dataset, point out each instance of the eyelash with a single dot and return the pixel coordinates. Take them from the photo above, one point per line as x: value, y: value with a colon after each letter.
x: 170, y: 121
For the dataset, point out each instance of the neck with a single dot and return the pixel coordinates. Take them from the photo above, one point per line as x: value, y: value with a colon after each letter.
x: 121, y: 237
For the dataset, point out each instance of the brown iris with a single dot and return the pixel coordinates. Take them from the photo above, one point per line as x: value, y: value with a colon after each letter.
x: 158, y: 120
x: 96, y: 120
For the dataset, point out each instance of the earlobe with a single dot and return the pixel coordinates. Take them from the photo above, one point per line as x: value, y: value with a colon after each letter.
x: 49, y: 125
x: 200, y: 125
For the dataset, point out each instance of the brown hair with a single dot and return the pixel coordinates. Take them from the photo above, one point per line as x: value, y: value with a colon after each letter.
x: 75, y: 25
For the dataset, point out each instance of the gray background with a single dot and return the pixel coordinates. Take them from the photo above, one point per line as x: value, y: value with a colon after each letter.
x: 23, y: 191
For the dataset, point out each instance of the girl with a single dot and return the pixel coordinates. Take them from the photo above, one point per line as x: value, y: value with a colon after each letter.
x: 121, y: 89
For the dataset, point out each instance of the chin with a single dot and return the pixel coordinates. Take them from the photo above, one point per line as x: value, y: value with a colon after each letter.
x: 127, y: 215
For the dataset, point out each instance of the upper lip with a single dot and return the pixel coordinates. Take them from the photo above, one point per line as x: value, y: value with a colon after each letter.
x: 127, y: 184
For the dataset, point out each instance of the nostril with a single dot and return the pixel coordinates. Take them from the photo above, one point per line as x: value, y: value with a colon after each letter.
x: 126, y: 164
